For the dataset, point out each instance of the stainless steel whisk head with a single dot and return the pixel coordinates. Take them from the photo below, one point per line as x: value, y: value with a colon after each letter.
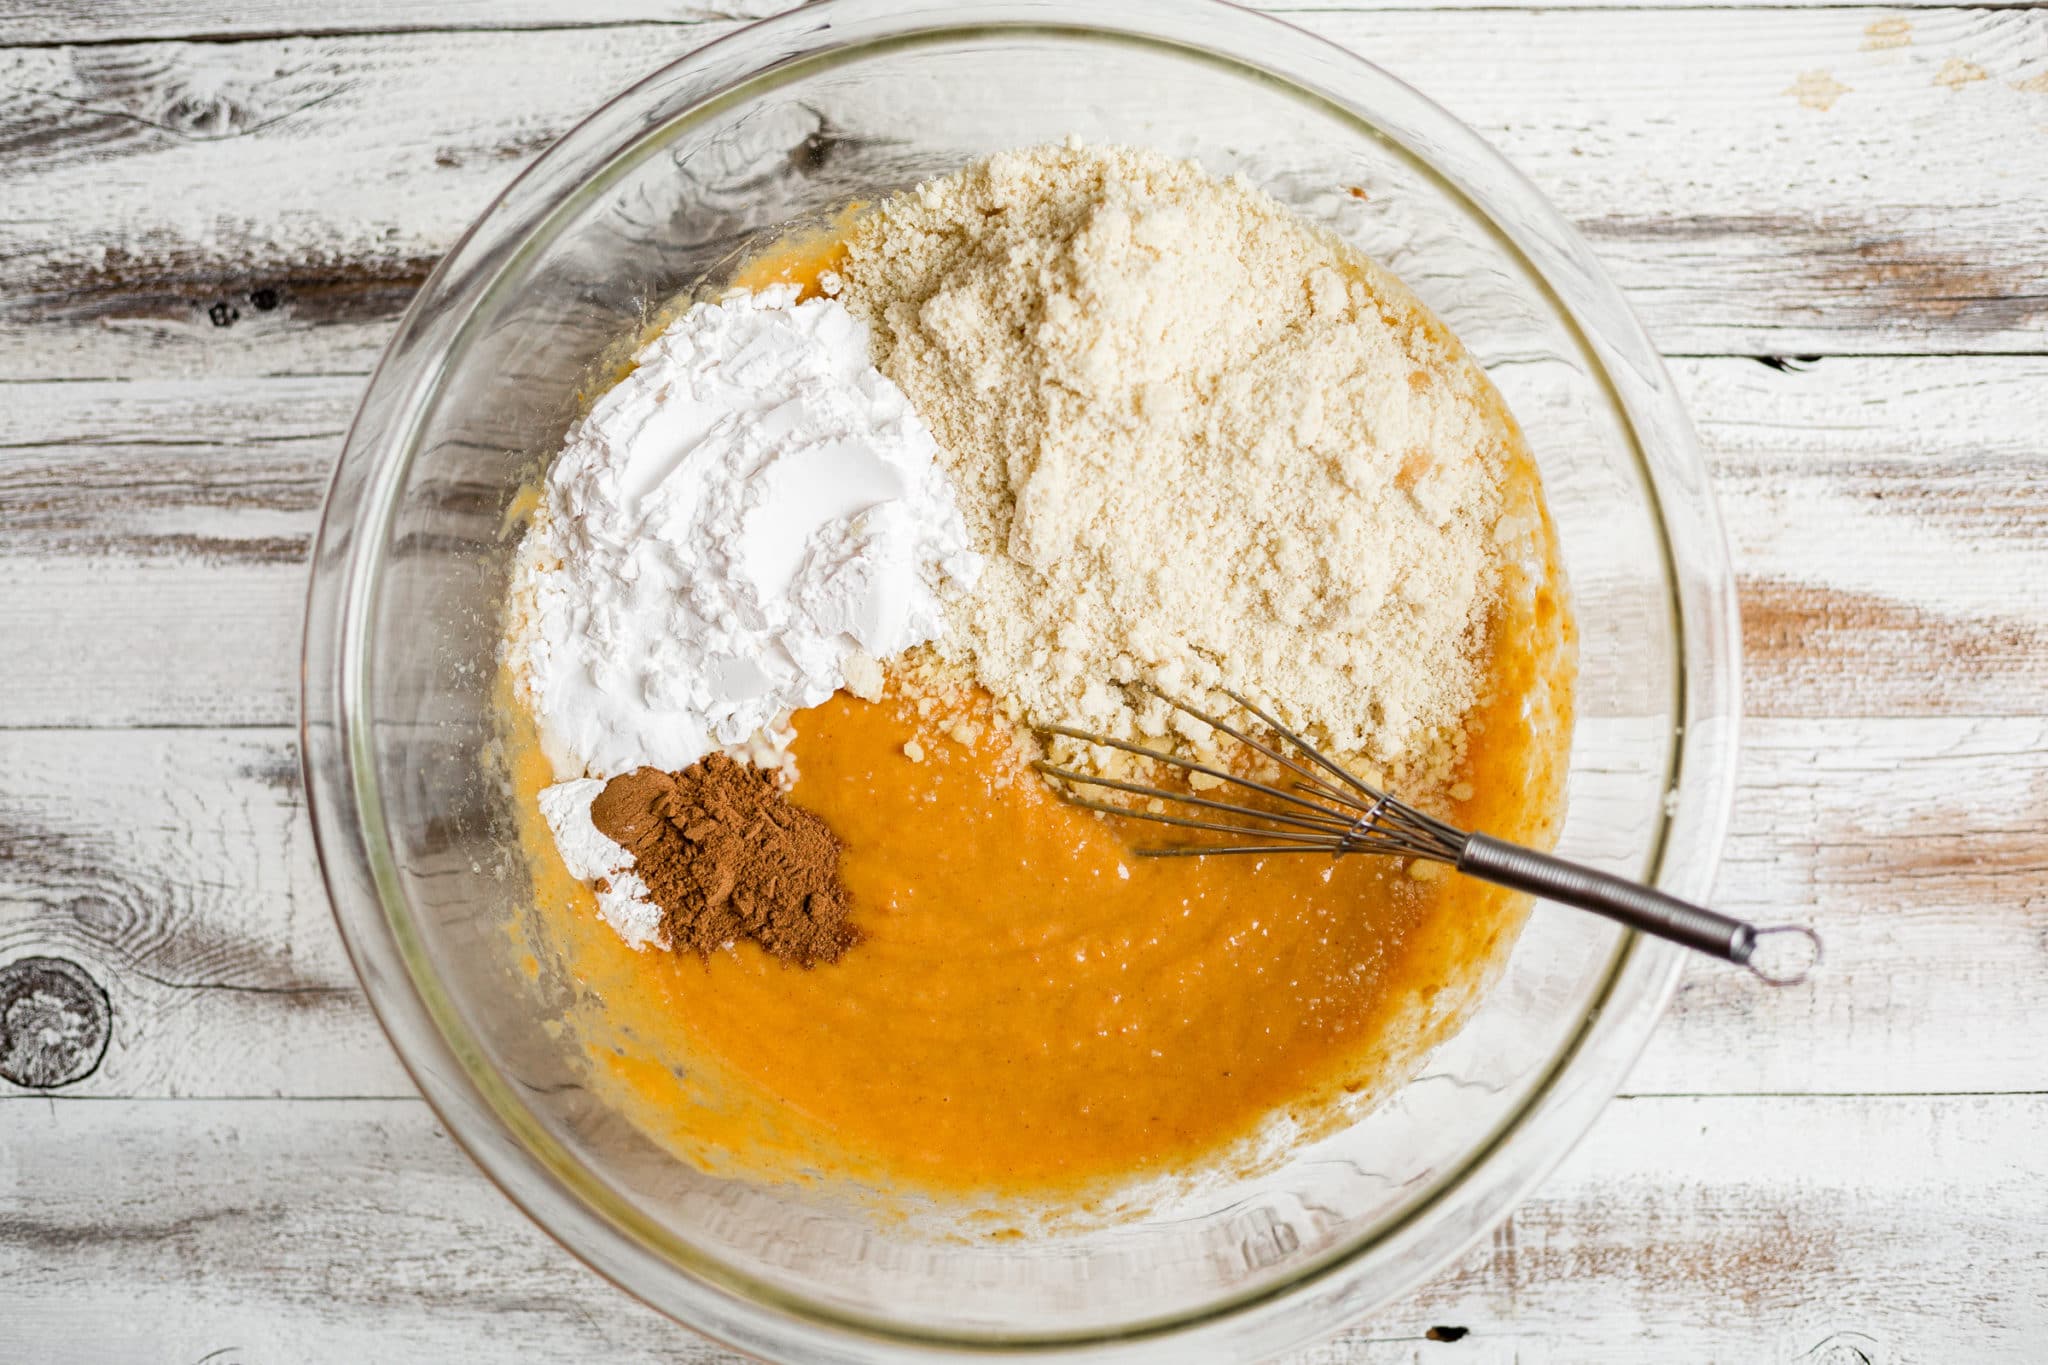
x: 1322, y: 808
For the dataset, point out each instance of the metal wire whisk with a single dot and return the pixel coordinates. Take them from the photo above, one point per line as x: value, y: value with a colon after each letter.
x: 1325, y: 809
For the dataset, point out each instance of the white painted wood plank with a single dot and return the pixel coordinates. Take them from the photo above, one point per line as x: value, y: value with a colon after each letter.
x: 158, y: 642
x: 285, y: 1231
x: 1884, y: 514
x: 168, y: 184
x: 83, y: 21
x: 87, y: 21
x: 1682, y: 1230
x: 153, y: 544
x: 1918, y: 850
x: 1886, y: 519
x: 1762, y: 1230
x: 175, y: 868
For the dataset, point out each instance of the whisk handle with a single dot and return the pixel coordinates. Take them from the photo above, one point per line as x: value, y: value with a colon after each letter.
x: 1637, y: 906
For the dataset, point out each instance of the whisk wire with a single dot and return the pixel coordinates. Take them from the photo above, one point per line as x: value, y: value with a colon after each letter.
x: 1384, y: 825
x: 1309, y: 780
x: 1384, y: 807
x: 1189, y: 765
x: 1204, y: 850
x: 1319, y: 843
x: 1314, y: 754
x: 1317, y: 815
x: 1325, y: 826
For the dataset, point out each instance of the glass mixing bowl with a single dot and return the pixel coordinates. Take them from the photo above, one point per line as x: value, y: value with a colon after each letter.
x: 780, y: 125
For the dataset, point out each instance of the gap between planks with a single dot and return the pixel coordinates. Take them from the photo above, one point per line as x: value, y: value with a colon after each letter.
x: 45, y: 25
x: 1801, y: 362
x: 161, y: 553
x: 1913, y: 845
x: 1886, y: 221
x: 1678, y: 1229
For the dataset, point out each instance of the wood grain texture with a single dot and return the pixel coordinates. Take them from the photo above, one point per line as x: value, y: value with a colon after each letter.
x: 202, y: 207
x: 1764, y: 1229
x: 204, y: 245
x: 52, y: 22
x: 175, y: 868
x: 1917, y: 848
x: 1885, y: 519
x: 151, y: 555
x: 1883, y: 514
x: 90, y: 21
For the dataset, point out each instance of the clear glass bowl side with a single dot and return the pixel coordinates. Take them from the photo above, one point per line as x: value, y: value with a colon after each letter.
x: 785, y: 123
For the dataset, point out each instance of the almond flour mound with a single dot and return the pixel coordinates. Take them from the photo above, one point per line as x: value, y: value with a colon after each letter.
x: 1201, y: 443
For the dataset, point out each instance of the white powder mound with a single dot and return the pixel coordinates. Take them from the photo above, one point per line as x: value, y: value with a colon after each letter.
x: 750, y: 513
x: 590, y: 855
x: 1201, y: 443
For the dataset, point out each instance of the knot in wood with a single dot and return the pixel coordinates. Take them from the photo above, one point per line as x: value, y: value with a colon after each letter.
x: 55, y: 1022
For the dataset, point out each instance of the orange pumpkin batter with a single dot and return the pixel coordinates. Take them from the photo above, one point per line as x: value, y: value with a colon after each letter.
x: 1033, y: 1009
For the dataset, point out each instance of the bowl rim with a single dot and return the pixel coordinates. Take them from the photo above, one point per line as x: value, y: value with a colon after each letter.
x: 432, y: 1041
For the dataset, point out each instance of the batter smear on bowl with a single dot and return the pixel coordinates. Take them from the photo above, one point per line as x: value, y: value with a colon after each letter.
x: 1024, y: 446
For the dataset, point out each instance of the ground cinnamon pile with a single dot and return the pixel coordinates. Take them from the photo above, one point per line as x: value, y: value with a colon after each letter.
x: 726, y: 857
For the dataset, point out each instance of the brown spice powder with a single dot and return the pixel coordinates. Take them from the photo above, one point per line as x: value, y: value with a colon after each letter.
x: 727, y: 856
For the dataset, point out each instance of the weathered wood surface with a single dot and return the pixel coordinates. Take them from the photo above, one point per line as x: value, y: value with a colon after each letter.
x: 1761, y: 181
x: 55, y: 22
x: 1779, y: 1229
x: 58, y: 22
x: 204, y: 243
x: 175, y: 867
x: 1885, y: 515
